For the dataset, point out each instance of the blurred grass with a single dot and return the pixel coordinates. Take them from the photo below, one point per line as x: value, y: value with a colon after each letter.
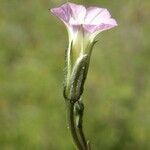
x: 32, y: 108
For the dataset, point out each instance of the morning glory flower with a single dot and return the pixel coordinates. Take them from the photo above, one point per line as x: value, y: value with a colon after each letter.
x: 83, y: 25
x: 91, y: 21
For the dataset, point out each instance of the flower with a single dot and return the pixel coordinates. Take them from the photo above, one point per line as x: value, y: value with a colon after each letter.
x: 92, y: 20
x: 83, y: 25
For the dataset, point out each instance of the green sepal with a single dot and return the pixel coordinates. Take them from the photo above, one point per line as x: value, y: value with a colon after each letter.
x: 74, y: 83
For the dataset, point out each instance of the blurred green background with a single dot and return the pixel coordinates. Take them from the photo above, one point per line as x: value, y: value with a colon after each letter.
x: 117, y: 91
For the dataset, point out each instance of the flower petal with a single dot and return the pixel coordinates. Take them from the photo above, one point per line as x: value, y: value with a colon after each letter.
x: 78, y: 13
x: 92, y: 20
x: 70, y: 13
x: 95, y: 15
x: 63, y: 12
x: 105, y: 25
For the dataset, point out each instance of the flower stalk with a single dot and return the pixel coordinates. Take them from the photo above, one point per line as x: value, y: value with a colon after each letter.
x: 72, y: 125
x: 79, y: 109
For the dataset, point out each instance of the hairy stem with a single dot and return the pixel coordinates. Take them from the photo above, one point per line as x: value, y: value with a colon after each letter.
x: 72, y: 126
x: 79, y: 124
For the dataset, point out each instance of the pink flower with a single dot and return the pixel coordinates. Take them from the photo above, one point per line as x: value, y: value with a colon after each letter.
x: 92, y: 20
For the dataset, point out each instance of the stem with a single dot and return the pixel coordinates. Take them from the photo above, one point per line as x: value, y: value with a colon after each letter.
x: 81, y: 133
x: 80, y: 125
x: 80, y: 122
x: 72, y: 125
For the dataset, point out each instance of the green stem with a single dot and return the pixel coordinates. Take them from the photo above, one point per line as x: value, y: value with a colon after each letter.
x: 72, y: 127
x: 79, y: 125
x: 82, y: 136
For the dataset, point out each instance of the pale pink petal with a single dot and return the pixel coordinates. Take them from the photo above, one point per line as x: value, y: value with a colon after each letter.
x: 63, y: 12
x: 70, y: 13
x: 78, y: 13
x: 95, y: 15
x: 98, y: 19
x: 105, y: 25
x: 92, y: 19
